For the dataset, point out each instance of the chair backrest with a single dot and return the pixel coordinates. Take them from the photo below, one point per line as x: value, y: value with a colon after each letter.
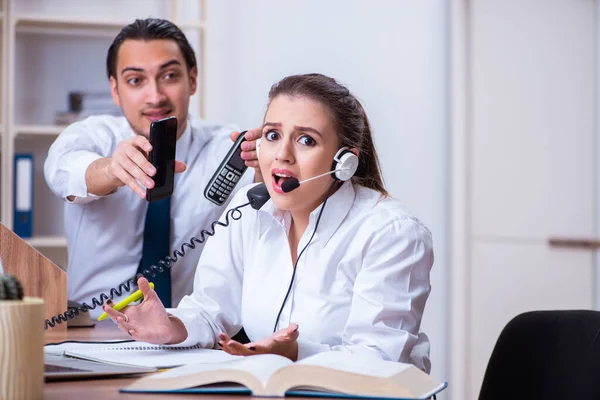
x: 546, y: 355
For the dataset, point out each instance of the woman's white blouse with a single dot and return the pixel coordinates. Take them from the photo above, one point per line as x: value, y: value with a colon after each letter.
x: 361, y: 285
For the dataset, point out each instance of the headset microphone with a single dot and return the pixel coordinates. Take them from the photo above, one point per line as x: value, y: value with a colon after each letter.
x: 293, y: 183
x: 345, y: 164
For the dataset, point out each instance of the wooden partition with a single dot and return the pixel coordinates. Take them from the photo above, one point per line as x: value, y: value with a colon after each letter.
x: 39, y: 276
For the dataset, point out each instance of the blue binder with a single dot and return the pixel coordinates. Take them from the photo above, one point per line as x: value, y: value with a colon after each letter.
x: 23, y: 195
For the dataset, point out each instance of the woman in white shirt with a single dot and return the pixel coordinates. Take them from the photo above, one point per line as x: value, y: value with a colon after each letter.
x: 334, y: 265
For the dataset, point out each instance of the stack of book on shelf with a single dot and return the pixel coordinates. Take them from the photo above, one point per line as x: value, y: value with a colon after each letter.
x: 84, y: 104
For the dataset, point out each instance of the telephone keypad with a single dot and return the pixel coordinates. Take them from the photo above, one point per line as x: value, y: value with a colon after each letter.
x: 224, y: 183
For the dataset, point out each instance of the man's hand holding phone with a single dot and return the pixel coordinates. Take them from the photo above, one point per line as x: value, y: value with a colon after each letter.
x: 129, y: 165
x: 249, y: 150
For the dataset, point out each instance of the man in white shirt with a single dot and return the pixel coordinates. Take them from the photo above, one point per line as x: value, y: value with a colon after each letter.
x: 99, y: 167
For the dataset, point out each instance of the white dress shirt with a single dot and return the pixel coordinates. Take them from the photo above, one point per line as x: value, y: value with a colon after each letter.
x: 361, y: 285
x: 105, y: 233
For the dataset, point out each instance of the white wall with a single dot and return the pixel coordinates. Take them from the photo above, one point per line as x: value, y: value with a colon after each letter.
x: 392, y: 55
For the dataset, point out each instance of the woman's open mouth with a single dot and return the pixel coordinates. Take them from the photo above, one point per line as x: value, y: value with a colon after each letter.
x: 279, y: 178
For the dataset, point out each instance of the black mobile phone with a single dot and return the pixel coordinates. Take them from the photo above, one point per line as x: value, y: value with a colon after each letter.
x: 163, y: 136
x: 227, y: 175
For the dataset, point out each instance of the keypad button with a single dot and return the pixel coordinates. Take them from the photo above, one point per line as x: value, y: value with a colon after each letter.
x: 230, y: 187
x: 211, y: 192
x: 219, y: 193
x: 226, y: 191
x: 223, y: 172
x: 221, y: 199
x: 236, y: 178
x: 230, y: 175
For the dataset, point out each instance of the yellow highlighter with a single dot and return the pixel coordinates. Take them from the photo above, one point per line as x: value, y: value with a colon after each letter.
x: 135, y: 296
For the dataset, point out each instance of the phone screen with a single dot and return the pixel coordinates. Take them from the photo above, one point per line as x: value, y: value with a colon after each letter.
x: 163, y: 137
x: 236, y: 160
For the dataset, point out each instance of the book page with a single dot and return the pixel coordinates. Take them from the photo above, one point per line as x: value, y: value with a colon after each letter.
x: 261, y: 366
x: 60, y: 348
x: 353, y: 363
x: 142, y: 354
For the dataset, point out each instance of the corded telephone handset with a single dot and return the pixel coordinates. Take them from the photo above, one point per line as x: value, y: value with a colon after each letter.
x: 257, y: 197
x: 227, y: 175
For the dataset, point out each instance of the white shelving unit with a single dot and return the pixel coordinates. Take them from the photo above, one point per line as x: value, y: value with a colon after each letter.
x: 48, y: 241
x: 52, y: 48
x: 38, y: 130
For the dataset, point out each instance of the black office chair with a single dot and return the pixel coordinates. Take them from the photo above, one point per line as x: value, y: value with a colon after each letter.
x: 546, y: 355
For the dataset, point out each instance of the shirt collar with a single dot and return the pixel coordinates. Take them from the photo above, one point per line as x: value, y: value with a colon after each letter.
x: 337, y: 207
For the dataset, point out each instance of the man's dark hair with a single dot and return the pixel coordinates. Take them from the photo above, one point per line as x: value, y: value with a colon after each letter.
x: 146, y: 30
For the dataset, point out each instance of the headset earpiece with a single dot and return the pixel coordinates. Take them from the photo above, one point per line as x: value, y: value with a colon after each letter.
x: 257, y: 147
x: 345, y: 164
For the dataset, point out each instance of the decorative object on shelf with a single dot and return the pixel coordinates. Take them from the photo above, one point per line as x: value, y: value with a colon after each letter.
x: 83, y: 104
x: 21, y: 342
x: 23, y: 195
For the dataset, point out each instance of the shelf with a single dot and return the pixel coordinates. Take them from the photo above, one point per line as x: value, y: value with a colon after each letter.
x: 43, y: 24
x: 38, y: 130
x: 192, y: 25
x: 47, y: 241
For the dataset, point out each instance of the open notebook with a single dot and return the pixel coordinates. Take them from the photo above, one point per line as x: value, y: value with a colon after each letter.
x: 140, y: 353
x: 327, y: 374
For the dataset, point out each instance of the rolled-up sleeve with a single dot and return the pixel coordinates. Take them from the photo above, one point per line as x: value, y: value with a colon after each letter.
x: 69, y: 157
x: 389, y: 297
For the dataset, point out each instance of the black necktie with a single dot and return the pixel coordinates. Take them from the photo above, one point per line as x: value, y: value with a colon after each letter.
x: 156, y: 246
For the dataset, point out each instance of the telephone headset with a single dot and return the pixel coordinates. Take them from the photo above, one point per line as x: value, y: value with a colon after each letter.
x: 343, y: 168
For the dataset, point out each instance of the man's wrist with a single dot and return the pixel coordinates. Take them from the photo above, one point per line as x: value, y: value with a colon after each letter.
x: 98, y: 178
x: 114, y: 181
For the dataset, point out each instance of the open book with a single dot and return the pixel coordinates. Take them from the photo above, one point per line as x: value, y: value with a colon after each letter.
x: 140, y: 353
x: 327, y: 374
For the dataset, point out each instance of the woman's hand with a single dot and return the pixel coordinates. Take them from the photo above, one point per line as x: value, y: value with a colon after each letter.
x: 148, y: 321
x: 283, y: 342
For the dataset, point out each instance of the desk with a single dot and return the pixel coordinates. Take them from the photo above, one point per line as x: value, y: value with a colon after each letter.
x: 104, y: 388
